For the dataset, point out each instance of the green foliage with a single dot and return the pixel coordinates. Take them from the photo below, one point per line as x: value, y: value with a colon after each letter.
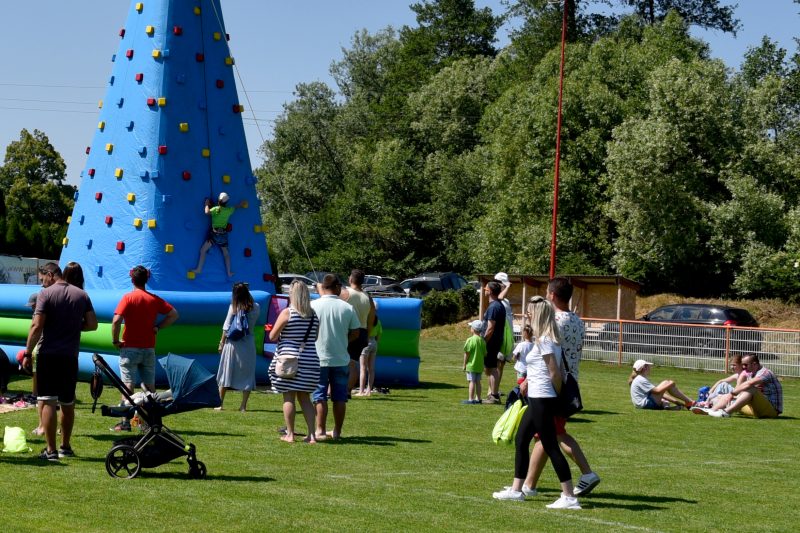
x: 438, y: 153
x: 447, y: 307
x: 36, y: 201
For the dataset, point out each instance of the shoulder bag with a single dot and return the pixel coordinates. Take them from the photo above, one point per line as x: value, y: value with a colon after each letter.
x: 286, y: 360
x: 569, y: 399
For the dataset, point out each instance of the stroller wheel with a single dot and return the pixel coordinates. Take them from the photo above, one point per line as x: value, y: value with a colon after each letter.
x: 198, y: 470
x: 123, y: 462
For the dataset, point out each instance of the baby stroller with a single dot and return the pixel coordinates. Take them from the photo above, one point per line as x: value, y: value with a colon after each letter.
x: 192, y: 386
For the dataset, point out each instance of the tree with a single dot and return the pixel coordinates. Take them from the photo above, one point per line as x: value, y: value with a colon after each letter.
x: 36, y: 197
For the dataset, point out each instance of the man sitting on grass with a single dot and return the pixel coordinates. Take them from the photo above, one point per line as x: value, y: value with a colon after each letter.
x: 761, y: 396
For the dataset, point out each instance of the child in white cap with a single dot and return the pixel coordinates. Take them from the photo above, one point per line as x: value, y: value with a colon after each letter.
x: 474, y: 352
x: 218, y: 234
x: 645, y: 395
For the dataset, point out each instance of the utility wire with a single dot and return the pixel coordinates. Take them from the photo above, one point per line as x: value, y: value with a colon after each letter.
x: 263, y: 139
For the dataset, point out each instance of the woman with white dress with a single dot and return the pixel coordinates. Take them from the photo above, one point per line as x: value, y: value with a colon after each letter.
x: 237, y: 364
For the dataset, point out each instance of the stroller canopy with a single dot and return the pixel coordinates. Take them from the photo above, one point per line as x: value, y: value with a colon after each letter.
x: 193, y: 386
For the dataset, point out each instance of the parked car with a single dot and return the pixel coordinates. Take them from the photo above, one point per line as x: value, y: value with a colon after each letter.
x: 317, y: 276
x: 433, y: 281
x: 393, y: 290
x: 284, y: 280
x: 659, y: 331
x: 371, y: 279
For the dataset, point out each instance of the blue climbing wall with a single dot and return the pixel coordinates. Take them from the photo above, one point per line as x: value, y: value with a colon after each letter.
x: 169, y: 135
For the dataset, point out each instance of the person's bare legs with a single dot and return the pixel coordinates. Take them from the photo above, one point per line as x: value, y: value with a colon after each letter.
x: 670, y: 387
x: 309, y: 414
x: 362, y: 375
x: 352, y: 381
x: 221, y: 398
x: 371, y: 372
x: 742, y: 399
x: 67, y: 423
x: 49, y: 419
x: 539, y: 459
x: 501, y: 364
x: 245, y: 396
x: 339, y: 410
x: 492, y: 375
x: 35, y: 389
x: 289, y: 415
x: 227, y: 256
x: 202, y: 259
x: 322, y: 416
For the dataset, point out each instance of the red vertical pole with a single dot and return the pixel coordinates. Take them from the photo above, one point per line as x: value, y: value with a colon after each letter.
x: 558, y: 142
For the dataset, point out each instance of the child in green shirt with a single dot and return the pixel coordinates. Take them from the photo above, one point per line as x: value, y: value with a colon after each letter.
x: 474, y: 353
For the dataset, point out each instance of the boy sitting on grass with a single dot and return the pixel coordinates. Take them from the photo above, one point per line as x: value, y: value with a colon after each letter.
x: 474, y: 353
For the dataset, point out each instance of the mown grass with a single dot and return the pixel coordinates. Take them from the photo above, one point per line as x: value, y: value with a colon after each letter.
x: 418, y: 460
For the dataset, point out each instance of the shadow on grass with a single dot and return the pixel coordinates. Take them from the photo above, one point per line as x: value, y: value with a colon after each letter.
x: 633, y: 502
x: 29, y: 460
x: 437, y: 386
x: 374, y: 440
x: 209, y: 477
x: 110, y: 437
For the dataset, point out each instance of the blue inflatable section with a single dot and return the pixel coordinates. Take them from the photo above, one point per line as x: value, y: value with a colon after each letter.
x: 399, y: 313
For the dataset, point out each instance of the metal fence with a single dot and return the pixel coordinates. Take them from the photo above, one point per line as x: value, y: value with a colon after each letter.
x: 690, y: 346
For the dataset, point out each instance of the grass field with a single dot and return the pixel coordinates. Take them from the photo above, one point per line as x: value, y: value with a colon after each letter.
x: 418, y: 460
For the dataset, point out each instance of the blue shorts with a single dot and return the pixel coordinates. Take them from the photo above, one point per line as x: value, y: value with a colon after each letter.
x: 653, y: 404
x: 218, y: 237
x: 335, y: 376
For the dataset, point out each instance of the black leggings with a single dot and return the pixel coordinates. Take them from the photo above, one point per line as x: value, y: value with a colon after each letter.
x: 538, y: 418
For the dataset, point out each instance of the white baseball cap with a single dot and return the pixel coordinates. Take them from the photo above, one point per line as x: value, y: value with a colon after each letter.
x: 476, y: 325
x: 223, y: 197
x: 502, y: 277
x: 640, y: 364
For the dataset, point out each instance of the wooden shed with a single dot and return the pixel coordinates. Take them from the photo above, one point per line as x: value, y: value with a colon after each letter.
x: 609, y: 297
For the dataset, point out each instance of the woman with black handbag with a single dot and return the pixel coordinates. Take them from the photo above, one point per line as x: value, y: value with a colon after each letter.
x: 295, y: 330
x: 541, y: 386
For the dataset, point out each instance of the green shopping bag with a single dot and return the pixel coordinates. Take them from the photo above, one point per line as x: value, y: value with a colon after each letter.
x: 14, y: 441
x: 508, y: 340
x: 506, y: 427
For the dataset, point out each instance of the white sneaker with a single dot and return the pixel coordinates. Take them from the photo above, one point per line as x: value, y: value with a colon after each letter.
x: 700, y: 410
x: 719, y: 413
x: 526, y: 490
x: 565, y: 502
x: 586, y: 483
x: 509, y: 494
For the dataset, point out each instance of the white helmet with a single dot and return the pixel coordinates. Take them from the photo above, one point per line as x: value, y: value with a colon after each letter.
x: 223, y: 197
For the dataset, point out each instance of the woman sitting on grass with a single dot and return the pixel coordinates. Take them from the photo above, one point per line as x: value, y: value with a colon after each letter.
x: 645, y: 395
x: 722, y: 389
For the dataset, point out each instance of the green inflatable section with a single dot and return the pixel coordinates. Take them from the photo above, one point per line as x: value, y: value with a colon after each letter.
x: 399, y: 343
x: 191, y: 339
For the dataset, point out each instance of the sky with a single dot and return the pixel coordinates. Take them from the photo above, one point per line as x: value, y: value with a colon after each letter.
x: 57, y: 56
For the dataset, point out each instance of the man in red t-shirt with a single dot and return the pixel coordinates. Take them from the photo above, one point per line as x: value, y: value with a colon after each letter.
x: 139, y: 311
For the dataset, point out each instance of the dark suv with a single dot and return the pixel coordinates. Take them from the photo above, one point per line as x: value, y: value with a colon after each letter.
x: 660, y: 331
x: 434, y: 281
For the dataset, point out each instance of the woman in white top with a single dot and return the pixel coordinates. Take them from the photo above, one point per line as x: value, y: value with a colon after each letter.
x: 542, y: 385
x: 645, y: 395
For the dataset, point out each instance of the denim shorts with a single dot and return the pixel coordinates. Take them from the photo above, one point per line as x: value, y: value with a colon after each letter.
x: 653, y: 404
x: 137, y: 360
x: 335, y: 376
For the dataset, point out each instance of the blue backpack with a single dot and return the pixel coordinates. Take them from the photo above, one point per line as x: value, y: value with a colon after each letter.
x: 239, y: 326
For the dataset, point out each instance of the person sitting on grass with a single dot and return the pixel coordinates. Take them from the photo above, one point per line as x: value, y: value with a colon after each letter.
x: 645, y: 395
x: 761, y: 396
x: 474, y: 352
x: 723, y: 388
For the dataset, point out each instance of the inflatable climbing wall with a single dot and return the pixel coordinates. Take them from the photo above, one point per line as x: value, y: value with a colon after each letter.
x: 169, y: 135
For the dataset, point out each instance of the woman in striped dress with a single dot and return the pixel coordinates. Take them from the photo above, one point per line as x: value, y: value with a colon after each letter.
x: 295, y: 323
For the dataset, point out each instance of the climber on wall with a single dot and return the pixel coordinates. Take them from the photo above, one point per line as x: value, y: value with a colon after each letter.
x: 218, y: 234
